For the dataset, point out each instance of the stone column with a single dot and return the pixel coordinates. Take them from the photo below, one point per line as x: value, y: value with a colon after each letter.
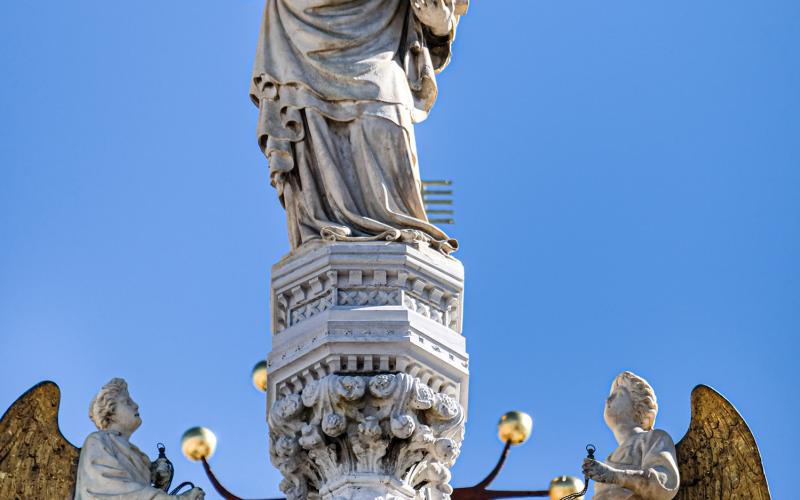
x: 368, y: 372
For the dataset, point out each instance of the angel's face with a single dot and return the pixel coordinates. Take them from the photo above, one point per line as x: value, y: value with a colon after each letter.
x: 126, y: 414
x: 619, y: 407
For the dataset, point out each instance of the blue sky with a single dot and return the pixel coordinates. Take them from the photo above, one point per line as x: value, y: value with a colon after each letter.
x: 628, y: 197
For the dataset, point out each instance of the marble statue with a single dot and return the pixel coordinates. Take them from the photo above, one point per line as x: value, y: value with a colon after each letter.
x: 339, y: 86
x: 717, y: 457
x: 110, y: 467
x: 644, y: 466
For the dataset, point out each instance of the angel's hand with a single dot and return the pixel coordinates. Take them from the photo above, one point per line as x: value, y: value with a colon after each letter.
x: 439, y: 15
x: 193, y: 494
x: 600, y: 472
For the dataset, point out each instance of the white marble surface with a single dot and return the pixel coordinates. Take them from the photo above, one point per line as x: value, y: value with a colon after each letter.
x: 644, y: 465
x: 383, y: 436
x: 368, y: 307
x: 110, y: 466
x: 359, y: 312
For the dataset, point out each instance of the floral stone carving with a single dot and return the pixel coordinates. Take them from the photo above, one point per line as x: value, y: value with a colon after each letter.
x: 385, y: 436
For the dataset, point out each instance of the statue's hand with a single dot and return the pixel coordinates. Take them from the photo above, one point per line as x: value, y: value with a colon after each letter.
x: 436, y: 14
x: 193, y: 494
x: 278, y: 179
x: 600, y: 472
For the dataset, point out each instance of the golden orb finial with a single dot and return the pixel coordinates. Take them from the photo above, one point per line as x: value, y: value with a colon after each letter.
x: 515, y: 427
x: 198, y: 442
x: 259, y: 376
x: 562, y: 486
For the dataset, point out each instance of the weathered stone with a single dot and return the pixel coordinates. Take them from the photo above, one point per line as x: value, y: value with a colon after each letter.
x: 353, y: 436
x: 368, y: 371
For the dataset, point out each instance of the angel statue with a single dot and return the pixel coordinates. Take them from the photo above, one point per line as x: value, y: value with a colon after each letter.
x: 110, y: 466
x: 339, y: 86
x: 36, y: 461
x: 717, y: 458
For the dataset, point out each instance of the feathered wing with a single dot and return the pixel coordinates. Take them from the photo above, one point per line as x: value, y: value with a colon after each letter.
x: 36, y: 461
x: 718, y: 457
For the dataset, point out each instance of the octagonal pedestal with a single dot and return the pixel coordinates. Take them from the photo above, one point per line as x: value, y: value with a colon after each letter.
x: 368, y: 373
x: 365, y: 308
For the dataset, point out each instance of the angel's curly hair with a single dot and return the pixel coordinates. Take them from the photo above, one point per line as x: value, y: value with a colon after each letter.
x: 643, y: 397
x: 104, y: 404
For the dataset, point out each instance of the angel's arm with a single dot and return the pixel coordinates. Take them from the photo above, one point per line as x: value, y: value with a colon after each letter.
x: 102, y: 475
x: 658, y: 479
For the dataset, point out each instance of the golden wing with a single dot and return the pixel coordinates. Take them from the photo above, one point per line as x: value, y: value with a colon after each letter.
x: 36, y: 461
x: 718, y: 457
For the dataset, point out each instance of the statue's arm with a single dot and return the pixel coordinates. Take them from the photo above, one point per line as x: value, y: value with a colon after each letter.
x: 652, y: 483
x: 658, y: 477
x: 101, y: 475
x: 438, y: 15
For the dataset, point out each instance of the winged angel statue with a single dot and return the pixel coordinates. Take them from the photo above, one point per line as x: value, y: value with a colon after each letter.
x: 37, y: 462
x: 717, y: 458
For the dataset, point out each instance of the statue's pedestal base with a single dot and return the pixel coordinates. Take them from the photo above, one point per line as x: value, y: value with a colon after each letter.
x: 365, y: 308
x: 368, y: 371
x: 367, y: 487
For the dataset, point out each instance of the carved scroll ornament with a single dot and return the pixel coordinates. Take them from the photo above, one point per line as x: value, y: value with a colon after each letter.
x: 381, y: 428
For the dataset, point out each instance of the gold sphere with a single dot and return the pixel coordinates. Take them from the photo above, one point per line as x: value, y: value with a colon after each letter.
x: 259, y: 375
x: 515, y: 427
x: 562, y: 486
x: 198, y: 442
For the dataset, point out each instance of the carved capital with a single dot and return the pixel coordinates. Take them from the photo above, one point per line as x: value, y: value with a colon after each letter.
x: 385, y: 436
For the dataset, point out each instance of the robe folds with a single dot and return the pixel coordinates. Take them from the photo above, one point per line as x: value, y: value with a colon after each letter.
x: 339, y: 85
x: 111, y: 468
x: 652, y: 452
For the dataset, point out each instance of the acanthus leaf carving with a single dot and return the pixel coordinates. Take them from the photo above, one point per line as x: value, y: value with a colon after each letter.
x: 390, y: 424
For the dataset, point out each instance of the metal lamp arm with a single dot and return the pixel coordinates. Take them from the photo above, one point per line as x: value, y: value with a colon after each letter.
x: 500, y: 463
x: 223, y: 492
x: 479, y: 491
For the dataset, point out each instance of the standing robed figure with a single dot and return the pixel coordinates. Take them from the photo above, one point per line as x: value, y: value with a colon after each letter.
x: 339, y: 85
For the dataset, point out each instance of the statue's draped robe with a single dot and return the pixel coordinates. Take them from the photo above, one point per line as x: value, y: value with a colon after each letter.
x: 111, y: 468
x: 339, y: 85
x: 651, y: 452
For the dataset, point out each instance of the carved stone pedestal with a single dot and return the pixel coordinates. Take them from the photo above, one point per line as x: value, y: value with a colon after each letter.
x: 368, y: 372
x: 358, y: 487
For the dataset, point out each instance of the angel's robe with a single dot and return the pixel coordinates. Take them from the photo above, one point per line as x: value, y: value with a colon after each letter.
x: 339, y: 85
x: 652, y: 453
x: 111, y: 468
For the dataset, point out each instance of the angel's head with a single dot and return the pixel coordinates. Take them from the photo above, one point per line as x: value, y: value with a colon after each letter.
x: 632, y: 401
x: 113, y: 408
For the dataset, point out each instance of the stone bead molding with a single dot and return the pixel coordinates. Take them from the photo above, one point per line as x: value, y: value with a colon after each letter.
x: 389, y: 434
x: 360, y: 288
